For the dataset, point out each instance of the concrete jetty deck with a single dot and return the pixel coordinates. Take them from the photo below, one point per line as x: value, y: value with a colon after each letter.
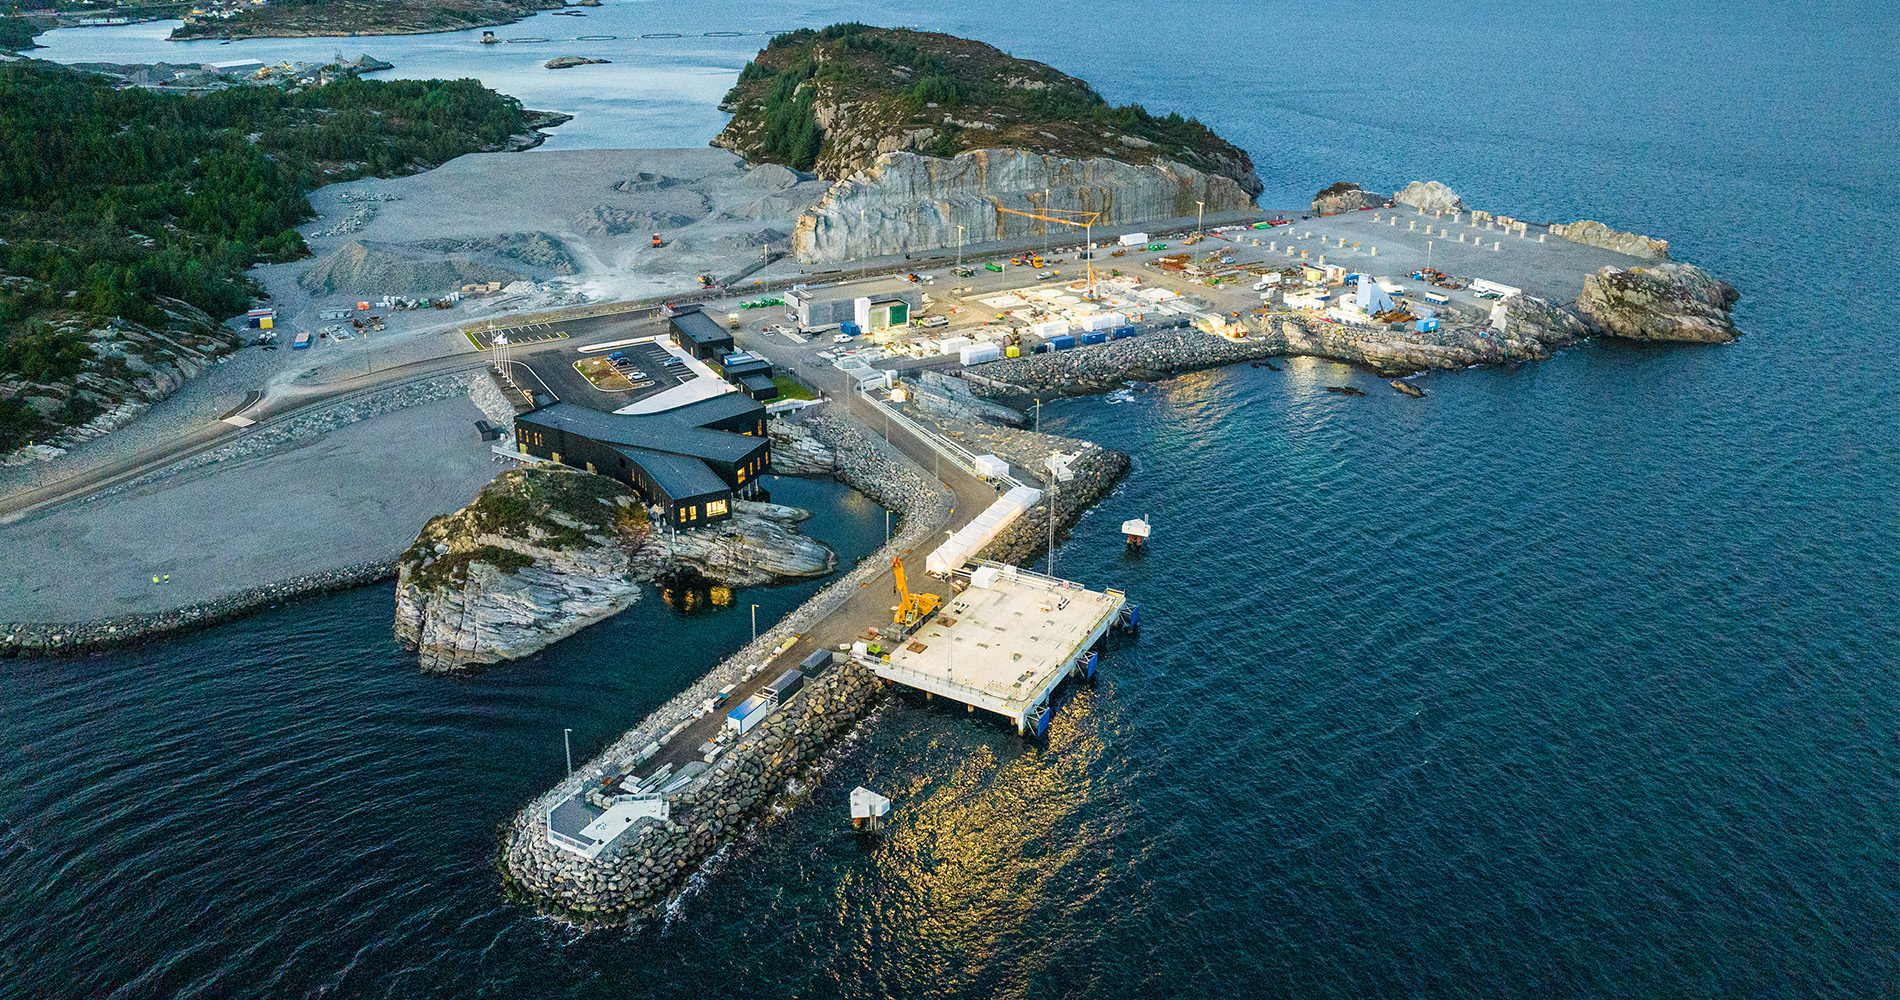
x: 1004, y: 643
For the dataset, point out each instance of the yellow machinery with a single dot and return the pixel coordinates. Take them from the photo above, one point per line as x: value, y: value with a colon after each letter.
x: 1067, y: 217
x: 911, y: 608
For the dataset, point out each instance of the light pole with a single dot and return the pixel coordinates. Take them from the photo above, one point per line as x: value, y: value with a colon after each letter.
x: 755, y: 623
x: 1200, y: 212
x: 959, y: 246
x: 887, y: 528
x: 569, y: 747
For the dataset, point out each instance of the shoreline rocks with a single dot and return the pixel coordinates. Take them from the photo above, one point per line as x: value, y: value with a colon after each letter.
x: 1669, y: 301
x: 569, y: 62
x: 1345, y: 197
x: 1596, y: 234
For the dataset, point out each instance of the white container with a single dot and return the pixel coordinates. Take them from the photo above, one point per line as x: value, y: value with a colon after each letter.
x: 976, y: 354
x: 951, y: 345
x: 1052, y: 328
x: 1135, y: 240
x: 1104, y: 321
x: 991, y: 467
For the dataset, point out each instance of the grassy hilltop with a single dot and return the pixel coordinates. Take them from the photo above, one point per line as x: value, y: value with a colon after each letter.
x: 831, y: 101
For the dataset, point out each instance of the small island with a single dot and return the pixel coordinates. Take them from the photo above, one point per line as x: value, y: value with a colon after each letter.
x: 569, y: 62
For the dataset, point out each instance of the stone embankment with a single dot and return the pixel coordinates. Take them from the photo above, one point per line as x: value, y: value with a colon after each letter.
x: 27, y: 639
x: 1095, y: 471
x: 907, y: 203
x: 797, y: 452
x: 647, y: 866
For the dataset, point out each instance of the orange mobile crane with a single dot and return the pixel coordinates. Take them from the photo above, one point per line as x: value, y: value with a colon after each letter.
x: 911, y: 608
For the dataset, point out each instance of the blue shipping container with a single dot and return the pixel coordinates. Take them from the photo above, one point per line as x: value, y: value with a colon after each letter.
x: 1061, y: 341
x: 1126, y: 331
x: 848, y: 329
x: 1095, y: 337
x: 1039, y: 349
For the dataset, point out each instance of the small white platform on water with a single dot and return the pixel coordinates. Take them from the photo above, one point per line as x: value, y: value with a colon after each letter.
x: 1005, y: 643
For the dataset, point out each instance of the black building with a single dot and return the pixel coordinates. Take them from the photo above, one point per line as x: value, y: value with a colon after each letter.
x: 699, y: 334
x: 752, y: 374
x: 690, y: 460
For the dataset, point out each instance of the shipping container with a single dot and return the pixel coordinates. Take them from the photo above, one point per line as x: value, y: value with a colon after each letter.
x: 750, y: 712
x: 787, y: 684
x: 816, y: 663
x: 1061, y: 341
x: 302, y: 342
x: 1134, y: 239
x: 849, y: 329
x: 1095, y: 337
x: 1126, y: 331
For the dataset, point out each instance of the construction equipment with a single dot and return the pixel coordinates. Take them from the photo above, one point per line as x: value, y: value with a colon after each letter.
x: 1067, y: 217
x: 911, y: 608
x: 656, y: 239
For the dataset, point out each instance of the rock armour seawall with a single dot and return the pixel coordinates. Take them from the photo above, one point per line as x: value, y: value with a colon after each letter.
x: 907, y: 203
x: 646, y: 867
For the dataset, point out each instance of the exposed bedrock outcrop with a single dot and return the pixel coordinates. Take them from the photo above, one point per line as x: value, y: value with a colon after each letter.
x: 1345, y: 197
x: 544, y: 551
x: 797, y: 452
x: 1430, y: 196
x: 1596, y: 234
x: 1669, y: 301
x: 906, y: 202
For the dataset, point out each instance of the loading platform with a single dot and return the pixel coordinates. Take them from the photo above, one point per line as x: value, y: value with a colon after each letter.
x: 1003, y: 644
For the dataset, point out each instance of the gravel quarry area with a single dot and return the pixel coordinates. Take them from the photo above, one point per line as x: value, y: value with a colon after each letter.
x: 357, y: 494
x: 558, y: 228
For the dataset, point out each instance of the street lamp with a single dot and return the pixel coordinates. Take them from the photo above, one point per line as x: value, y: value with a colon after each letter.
x: 755, y: 623
x: 959, y: 246
x: 569, y: 747
x: 1200, y: 212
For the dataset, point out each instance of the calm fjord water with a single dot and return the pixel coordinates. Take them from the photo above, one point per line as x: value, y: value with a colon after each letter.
x: 1577, y: 679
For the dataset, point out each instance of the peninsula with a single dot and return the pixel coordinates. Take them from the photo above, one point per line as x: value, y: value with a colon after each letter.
x: 650, y: 334
x: 315, y: 18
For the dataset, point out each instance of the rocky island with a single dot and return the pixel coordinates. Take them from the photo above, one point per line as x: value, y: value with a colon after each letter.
x: 545, y: 551
x: 925, y: 133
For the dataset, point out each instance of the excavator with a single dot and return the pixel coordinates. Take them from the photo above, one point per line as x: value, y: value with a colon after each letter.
x: 911, y: 608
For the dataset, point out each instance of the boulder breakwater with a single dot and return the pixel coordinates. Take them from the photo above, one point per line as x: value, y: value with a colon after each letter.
x: 644, y: 867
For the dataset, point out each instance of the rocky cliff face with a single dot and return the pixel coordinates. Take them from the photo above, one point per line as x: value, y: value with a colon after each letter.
x: 1345, y: 197
x: 1597, y: 234
x: 544, y: 551
x: 540, y: 554
x: 907, y: 203
x: 796, y: 452
x: 1431, y: 196
x: 1670, y: 301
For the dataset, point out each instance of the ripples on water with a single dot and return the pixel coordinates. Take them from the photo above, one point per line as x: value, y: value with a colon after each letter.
x: 1574, y: 679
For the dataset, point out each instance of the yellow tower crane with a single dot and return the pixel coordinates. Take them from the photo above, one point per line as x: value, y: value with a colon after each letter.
x: 1067, y: 217
x: 911, y: 608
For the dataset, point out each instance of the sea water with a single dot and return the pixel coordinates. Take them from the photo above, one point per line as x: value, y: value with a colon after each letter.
x: 1575, y: 678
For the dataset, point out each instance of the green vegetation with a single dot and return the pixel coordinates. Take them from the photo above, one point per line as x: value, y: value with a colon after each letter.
x: 292, y: 18
x: 17, y: 33
x: 791, y: 388
x: 900, y: 80
x: 548, y: 507
x: 112, y: 201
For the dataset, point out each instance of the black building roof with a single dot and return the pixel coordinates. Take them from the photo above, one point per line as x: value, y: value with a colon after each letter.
x: 681, y: 477
x: 679, y: 431
x: 700, y: 328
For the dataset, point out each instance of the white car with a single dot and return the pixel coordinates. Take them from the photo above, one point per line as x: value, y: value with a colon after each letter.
x: 843, y: 338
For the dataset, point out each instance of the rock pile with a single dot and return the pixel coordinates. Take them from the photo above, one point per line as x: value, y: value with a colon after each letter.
x: 364, y: 270
x: 797, y: 452
x: 759, y: 544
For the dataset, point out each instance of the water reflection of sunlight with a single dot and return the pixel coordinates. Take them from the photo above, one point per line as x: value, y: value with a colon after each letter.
x: 1005, y: 837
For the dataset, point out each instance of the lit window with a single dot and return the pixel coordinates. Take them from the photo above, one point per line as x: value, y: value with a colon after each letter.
x: 715, y: 508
